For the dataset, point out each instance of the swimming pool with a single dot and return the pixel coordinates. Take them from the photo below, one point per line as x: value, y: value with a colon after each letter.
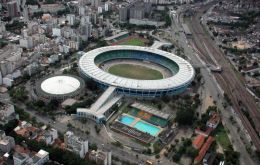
x: 146, y: 127
x: 127, y: 120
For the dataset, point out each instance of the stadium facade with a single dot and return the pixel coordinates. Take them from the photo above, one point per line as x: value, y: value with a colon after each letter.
x: 90, y: 67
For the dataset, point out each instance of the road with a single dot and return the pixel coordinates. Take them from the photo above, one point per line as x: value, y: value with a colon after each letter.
x: 121, y: 153
x: 124, y: 153
x: 210, y: 84
x: 236, y: 89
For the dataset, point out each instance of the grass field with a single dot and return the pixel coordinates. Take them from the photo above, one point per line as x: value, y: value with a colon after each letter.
x: 134, y: 42
x: 135, y: 72
x: 221, y: 136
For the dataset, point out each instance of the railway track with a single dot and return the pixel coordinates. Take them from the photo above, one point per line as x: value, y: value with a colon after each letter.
x: 228, y: 80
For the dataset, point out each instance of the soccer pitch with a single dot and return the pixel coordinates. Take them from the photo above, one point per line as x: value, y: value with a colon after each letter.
x: 135, y: 72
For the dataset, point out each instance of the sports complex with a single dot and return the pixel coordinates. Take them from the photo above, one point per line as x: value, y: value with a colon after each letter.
x: 137, y: 71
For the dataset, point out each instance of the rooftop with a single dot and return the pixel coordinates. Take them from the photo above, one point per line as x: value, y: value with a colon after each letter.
x: 151, y: 110
x: 183, y: 77
x: 198, y: 141
x: 204, y: 149
x: 59, y: 85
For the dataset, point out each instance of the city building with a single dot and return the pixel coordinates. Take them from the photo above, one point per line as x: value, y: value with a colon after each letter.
x: 95, y: 3
x: 100, y: 157
x: 209, y: 158
x: 198, y: 141
x: 214, y: 120
x: 26, y: 42
x: 39, y: 158
x: 6, y: 142
x: 48, y: 136
x: 13, y: 9
x: 7, y: 113
x: 71, y: 19
x: 75, y: 144
x: 123, y: 14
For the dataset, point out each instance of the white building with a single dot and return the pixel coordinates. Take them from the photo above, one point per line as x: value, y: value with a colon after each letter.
x: 39, y: 158
x: 49, y: 136
x: 75, y: 144
x: 95, y: 3
x: 56, y: 32
x: 64, y: 48
x: 2, y: 27
x: 53, y: 58
x: 82, y: 10
x: 6, y: 142
x: 107, y: 5
x: 8, y: 81
x: 100, y: 9
x: 71, y: 19
x: 26, y: 42
x: 84, y: 20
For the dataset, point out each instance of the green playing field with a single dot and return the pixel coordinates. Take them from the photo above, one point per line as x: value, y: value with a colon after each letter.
x: 135, y: 72
x: 134, y: 42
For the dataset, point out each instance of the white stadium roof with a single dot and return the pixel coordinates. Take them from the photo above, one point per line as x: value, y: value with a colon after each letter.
x: 184, y: 75
x: 60, y: 85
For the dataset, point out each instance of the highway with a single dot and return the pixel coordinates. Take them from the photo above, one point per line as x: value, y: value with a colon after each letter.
x: 229, y: 80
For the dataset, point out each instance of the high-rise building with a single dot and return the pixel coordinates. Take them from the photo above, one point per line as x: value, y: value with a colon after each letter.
x: 123, y: 14
x: 137, y: 13
x: 95, y: 3
x: 12, y: 8
x: 71, y: 19
x: 84, y: 20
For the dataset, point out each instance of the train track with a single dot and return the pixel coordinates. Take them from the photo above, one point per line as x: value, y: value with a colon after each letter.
x: 228, y: 80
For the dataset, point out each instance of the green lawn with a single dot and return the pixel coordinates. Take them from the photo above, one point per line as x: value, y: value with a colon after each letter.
x: 135, y: 72
x: 221, y: 136
x: 134, y: 42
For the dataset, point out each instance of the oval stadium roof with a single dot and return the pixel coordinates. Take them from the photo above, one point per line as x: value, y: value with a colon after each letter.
x: 184, y: 76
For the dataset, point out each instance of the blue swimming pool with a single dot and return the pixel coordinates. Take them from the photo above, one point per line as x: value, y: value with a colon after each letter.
x: 127, y: 120
x: 146, y: 127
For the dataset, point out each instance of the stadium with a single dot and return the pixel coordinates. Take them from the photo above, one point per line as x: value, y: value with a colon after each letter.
x: 137, y: 71
x: 60, y: 87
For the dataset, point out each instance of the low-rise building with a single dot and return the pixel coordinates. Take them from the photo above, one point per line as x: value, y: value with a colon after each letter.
x: 198, y: 141
x: 214, y: 120
x: 209, y: 159
x: 30, y: 159
x: 48, y: 136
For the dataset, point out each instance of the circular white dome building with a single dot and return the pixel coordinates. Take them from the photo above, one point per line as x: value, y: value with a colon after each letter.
x: 60, y: 86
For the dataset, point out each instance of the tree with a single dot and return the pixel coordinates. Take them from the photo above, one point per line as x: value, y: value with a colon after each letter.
x: 9, y: 127
x: 19, y: 93
x: 185, y: 116
x: 191, y: 151
x: 176, y: 157
x: 168, y: 20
